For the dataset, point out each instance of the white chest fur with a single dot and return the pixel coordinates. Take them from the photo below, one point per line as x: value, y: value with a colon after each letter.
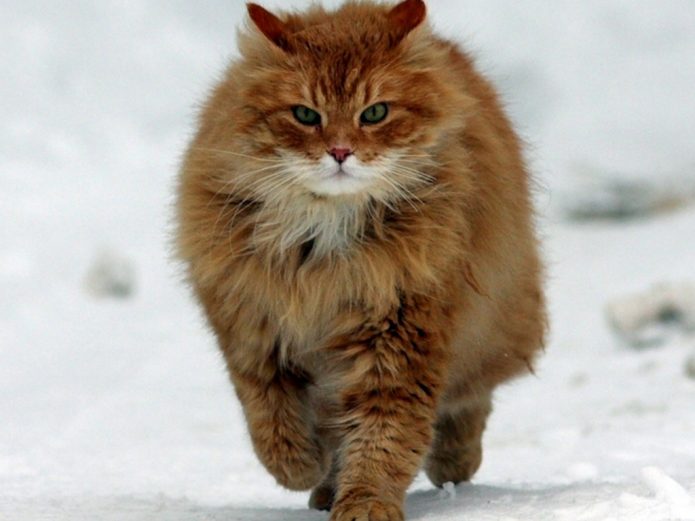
x: 332, y: 224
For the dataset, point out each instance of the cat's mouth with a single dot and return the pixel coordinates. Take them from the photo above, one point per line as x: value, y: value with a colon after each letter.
x: 339, y: 180
x: 339, y: 173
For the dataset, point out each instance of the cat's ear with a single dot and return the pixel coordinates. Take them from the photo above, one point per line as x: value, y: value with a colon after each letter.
x: 406, y: 16
x: 270, y: 25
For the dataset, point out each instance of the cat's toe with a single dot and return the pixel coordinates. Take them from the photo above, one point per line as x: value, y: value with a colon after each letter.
x: 368, y: 510
x: 322, y: 498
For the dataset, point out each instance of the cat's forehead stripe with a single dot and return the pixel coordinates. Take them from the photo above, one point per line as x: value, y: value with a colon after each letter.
x: 353, y: 86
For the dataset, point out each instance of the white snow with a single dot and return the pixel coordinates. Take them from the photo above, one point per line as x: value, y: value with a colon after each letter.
x: 670, y: 491
x: 120, y: 409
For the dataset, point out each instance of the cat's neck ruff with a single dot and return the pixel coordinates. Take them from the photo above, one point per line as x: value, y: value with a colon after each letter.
x: 332, y: 224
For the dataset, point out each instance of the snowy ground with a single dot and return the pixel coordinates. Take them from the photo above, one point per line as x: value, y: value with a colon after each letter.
x: 119, y: 409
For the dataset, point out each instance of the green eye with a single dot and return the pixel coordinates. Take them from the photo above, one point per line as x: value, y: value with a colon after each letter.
x: 306, y: 116
x: 375, y: 114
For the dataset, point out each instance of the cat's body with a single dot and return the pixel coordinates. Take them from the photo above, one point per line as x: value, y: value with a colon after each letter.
x: 371, y: 278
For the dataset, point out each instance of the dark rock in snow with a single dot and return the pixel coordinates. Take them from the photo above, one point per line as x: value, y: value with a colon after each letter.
x: 111, y: 275
x: 650, y: 318
x: 690, y: 366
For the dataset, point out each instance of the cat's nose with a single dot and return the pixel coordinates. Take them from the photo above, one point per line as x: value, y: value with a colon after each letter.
x: 340, y: 154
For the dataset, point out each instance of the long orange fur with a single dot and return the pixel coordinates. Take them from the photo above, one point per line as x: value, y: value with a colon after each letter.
x: 365, y: 332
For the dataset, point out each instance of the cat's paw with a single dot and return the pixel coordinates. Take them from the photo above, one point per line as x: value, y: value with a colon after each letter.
x: 454, y: 468
x: 367, y: 510
x: 322, y: 497
x: 296, y: 468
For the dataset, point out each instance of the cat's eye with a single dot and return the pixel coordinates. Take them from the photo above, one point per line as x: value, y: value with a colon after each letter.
x: 374, y: 114
x: 306, y: 116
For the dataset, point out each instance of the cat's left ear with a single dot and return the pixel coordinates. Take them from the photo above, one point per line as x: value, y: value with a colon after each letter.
x: 270, y: 25
x: 406, y: 16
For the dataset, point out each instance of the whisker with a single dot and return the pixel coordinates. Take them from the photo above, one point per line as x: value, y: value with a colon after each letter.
x: 405, y: 194
x: 241, y: 177
x: 224, y: 206
x: 239, y: 154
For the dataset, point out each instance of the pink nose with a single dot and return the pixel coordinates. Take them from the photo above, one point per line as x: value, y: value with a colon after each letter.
x: 340, y: 153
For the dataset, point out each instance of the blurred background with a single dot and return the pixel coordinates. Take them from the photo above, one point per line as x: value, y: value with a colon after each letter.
x: 114, y: 403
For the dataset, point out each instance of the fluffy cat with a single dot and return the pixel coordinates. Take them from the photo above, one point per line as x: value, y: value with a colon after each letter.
x: 354, y: 214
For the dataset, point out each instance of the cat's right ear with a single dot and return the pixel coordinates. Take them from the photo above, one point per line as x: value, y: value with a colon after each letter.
x: 407, y: 15
x: 270, y: 25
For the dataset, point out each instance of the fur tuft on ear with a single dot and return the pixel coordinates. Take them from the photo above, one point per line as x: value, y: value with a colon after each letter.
x: 407, y: 15
x: 270, y: 25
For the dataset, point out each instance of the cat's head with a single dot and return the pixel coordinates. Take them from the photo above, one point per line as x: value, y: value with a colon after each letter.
x: 344, y: 103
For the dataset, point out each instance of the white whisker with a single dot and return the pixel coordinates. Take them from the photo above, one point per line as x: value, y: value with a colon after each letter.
x: 239, y: 154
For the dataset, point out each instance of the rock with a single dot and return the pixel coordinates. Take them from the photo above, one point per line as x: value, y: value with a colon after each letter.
x: 598, y: 195
x: 690, y: 366
x: 110, y: 275
x: 650, y: 318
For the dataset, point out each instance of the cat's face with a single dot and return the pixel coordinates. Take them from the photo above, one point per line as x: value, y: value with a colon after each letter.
x: 341, y: 103
x: 350, y: 131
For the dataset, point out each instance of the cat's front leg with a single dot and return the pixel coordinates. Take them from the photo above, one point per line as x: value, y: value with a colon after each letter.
x: 389, y: 389
x: 280, y: 424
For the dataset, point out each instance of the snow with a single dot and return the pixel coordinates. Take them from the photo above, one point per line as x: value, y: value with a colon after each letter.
x: 119, y: 409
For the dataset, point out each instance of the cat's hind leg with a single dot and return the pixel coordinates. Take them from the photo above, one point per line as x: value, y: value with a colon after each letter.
x: 457, y: 451
x: 323, y: 495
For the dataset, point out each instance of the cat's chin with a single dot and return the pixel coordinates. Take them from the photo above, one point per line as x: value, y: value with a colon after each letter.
x: 337, y: 184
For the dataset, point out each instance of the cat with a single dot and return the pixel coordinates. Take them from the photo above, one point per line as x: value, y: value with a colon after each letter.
x: 355, y: 218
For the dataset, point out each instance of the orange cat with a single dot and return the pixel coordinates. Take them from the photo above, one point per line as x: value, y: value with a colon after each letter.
x: 354, y: 213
